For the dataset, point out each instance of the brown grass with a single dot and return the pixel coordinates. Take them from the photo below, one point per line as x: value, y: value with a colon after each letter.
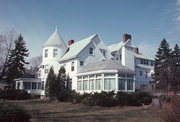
x: 43, y: 111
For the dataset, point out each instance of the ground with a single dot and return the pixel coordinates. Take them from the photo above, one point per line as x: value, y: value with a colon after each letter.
x: 44, y: 111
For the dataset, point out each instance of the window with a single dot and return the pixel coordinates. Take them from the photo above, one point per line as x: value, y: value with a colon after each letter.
x: 39, y: 85
x: 91, y: 51
x: 121, y: 84
x: 143, y: 61
x: 81, y: 63
x: 33, y: 85
x: 72, y: 66
x: 109, y: 83
x: 98, y: 84
x: 152, y: 63
x: 141, y: 73
x: 146, y: 74
x: 129, y: 84
x: 27, y: 85
x: 79, y: 85
x: 46, y: 69
x: 42, y: 85
x: 85, y: 84
x: 55, y: 52
x: 91, y: 84
x: 46, y: 53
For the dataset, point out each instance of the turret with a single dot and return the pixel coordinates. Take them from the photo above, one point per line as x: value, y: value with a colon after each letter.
x: 54, y: 48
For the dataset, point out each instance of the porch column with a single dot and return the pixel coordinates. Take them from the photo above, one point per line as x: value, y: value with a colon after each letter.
x: 102, y: 81
x: 125, y: 83
x: 116, y: 82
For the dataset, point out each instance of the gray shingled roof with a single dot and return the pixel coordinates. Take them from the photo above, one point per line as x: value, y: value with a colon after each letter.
x: 106, y: 65
x: 55, y: 40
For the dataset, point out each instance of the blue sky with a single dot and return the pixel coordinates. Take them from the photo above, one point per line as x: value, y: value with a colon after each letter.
x: 148, y: 21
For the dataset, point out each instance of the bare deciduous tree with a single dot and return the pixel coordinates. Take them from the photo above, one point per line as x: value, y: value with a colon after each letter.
x: 35, y: 62
x: 6, y: 43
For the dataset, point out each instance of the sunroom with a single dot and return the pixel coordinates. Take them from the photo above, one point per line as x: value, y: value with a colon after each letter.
x: 105, y: 75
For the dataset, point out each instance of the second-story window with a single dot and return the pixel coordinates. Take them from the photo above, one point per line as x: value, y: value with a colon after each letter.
x: 91, y: 51
x: 141, y: 73
x: 72, y: 66
x: 46, y: 53
x: 55, y: 51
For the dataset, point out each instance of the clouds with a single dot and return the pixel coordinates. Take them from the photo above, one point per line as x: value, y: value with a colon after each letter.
x: 178, y: 2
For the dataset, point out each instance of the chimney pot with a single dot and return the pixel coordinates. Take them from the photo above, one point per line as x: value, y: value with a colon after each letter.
x: 136, y: 50
x: 70, y: 42
x: 126, y: 37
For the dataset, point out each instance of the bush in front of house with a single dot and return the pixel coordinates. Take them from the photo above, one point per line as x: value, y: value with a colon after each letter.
x: 141, y: 98
x: 105, y: 99
x: 13, y: 113
x: 133, y: 99
x: 74, y: 97
x: 124, y: 99
x: 14, y: 94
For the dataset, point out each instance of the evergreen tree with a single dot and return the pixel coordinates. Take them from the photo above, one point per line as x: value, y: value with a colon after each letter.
x: 16, y: 61
x: 61, y: 80
x: 176, y: 68
x: 50, y: 83
x: 163, y: 66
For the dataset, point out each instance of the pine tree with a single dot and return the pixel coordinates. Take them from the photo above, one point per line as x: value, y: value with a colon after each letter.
x: 162, y: 66
x: 61, y: 80
x: 176, y: 68
x: 16, y: 61
x: 50, y: 83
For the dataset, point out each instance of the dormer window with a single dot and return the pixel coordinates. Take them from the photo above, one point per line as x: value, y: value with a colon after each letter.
x: 55, y: 52
x: 91, y: 51
x: 46, y: 53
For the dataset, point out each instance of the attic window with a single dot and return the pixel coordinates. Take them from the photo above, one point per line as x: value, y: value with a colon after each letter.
x: 91, y: 51
x: 81, y: 63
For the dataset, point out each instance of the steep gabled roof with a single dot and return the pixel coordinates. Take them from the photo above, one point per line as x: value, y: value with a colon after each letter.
x: 106, y: 65
x: 76, y: 48
x: 55, y: 40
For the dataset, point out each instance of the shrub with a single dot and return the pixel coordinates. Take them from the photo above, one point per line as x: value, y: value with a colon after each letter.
x: 13, y: 113
x: 133, y: 99
x: 1, y: 93
x: 142, y: 98
x: 123, y: 98
x: 74, y: 97
x: 15, y: 95
x: 101, y: 99
x: 63, y: 96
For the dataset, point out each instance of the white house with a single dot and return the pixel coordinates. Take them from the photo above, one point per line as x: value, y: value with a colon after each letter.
x: 92, y: 66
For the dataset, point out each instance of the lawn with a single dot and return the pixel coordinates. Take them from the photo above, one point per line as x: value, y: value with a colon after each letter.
x: 44, y: 111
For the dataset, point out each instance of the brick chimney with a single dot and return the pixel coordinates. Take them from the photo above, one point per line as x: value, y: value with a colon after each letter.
x: 126, y: 37
x: 136, y: 50
x: 70, y: 42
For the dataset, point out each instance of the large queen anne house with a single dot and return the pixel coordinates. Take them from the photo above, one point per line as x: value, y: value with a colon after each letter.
x: 92, y: 66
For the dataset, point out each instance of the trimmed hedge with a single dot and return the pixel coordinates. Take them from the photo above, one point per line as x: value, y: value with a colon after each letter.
x: 13, y: 113
x: 14, y: 95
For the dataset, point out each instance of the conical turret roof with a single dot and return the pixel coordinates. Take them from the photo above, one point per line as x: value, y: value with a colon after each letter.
x: 55, y: 40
